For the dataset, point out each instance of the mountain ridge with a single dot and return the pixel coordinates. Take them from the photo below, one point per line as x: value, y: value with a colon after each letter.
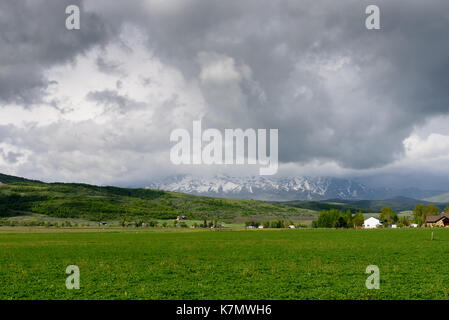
x: 298, y: 188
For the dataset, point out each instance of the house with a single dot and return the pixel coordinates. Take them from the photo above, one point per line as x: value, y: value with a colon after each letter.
x: 372, y: 223
x: 438, y: 221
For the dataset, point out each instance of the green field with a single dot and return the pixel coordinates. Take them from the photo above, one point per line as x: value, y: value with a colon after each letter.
x: 237, y: 264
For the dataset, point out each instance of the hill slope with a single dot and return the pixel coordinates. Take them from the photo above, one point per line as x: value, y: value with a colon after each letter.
x: 5, y: 179
x: 439, y: 198
x: 70, y: 200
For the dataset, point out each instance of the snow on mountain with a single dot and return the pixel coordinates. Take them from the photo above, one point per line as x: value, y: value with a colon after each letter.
x: 269, y: 188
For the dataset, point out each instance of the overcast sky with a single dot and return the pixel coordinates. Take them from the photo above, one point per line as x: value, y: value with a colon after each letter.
x: 97, y: 105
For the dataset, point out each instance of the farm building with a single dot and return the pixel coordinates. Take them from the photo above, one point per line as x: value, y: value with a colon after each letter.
x: 438, y: 221
x: 372, y: 223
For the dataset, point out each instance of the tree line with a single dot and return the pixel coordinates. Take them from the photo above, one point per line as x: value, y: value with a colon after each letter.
x: 335, y: 218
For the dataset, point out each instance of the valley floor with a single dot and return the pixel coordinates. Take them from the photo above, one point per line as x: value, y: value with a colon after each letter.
x: 233, y: 264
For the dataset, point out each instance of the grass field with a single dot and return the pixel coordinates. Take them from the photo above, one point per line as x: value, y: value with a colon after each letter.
x: 258, y: 264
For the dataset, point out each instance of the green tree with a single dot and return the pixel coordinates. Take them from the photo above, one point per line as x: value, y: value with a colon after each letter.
x: 358, y: 219
x: 387, y: 214
x: 418, y: 213
x: 431, y: 210
x: 332, y: 219
x: 405, y: 221
x: 277, y: 224
x: 341, y: 222
x: 395, y: 217
x: 349, y: 220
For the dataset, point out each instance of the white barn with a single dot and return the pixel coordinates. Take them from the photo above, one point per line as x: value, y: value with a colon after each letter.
x: 371, y: 223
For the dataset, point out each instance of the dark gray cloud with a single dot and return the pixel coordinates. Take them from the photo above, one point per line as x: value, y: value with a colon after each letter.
x: 113, y: 100
x: 33, y: 37
x: 336, y: 91
x: 11, y: 157
x: 398, y: 75
x: 108, y: 66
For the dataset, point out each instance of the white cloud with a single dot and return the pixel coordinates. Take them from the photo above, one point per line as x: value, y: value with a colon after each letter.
x: 92, y: 141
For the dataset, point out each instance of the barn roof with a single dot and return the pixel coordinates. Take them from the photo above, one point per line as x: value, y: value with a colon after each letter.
x: 433, y: 219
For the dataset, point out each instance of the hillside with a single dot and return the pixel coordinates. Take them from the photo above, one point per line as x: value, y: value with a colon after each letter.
x: 397, y: 203
x: 6, y: 179
x: 367, y: 206
x: 71, y: 200
x: 327, y: 205
x: 439, y: 198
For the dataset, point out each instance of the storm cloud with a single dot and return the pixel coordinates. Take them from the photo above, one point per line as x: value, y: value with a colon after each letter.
x: 32, y: 40
x: 338, y: 93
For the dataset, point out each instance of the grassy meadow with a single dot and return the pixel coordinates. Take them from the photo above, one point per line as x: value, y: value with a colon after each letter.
x: 231, y: 264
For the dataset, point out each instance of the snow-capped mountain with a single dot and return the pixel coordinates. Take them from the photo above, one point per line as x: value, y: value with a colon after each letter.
x: 270, y: 188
